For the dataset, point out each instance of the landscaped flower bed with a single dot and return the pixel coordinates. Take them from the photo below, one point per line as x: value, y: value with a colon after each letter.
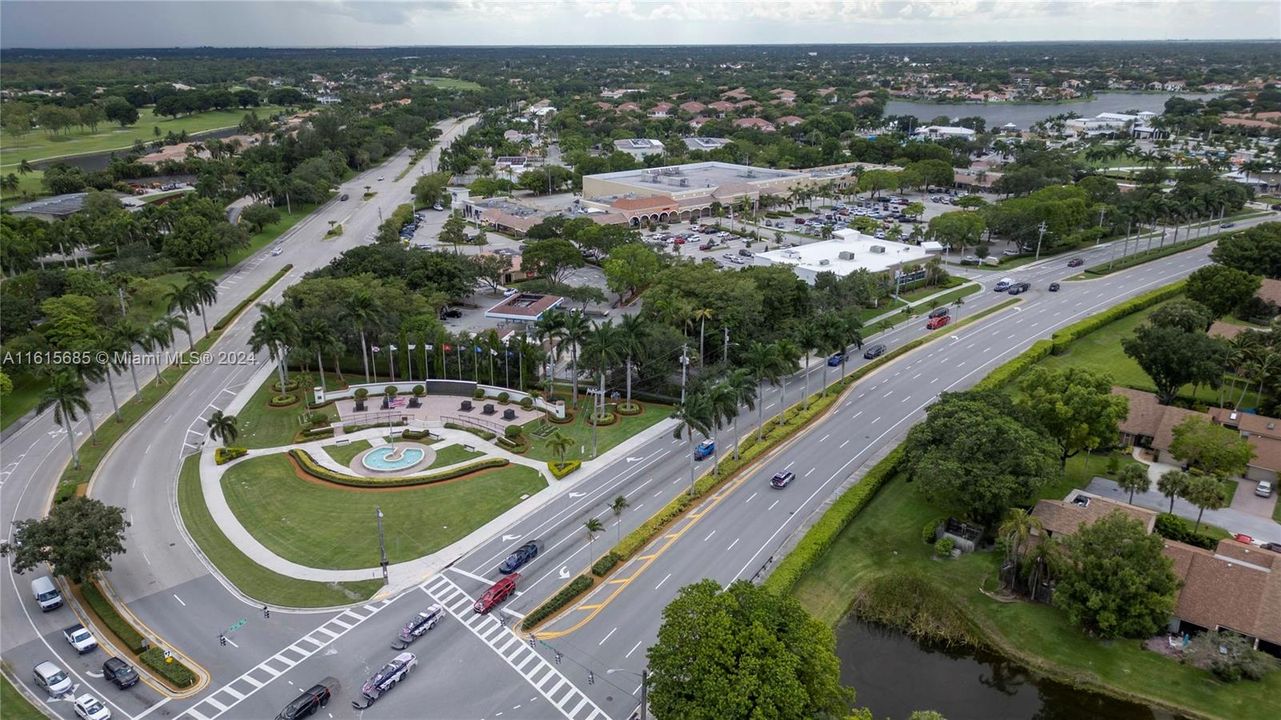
x: 560, y: 470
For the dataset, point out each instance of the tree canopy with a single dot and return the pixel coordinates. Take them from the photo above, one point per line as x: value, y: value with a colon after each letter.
x: 1074, y: 406
x: 78, y: 539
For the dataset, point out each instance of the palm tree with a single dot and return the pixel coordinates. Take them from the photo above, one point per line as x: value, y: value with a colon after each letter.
x: 740, y: 384
x: 1018, y: 526
x: 618, y: 506
x: 160, y: 337
x: 592, y: 526
x: 1172, y: 484
x: 831, y: 336
x: 222, y: 427
x: 574, y: 332
x: 631, y: 335
x: 695, y: 414
x: 362, y: 310
x: 182, y: 298
x: 807, y: 338
x: 547, y: 329
x: 317, y: 336
x: 851, y: 329
x: 724, y: 412
x: 66, y: 394
x: 120, y: 341
x: 789, y: 357
x: 701, y: 315
x: 277, y: 330
x: 559, y: 444
x: 204, y: 290
x: 602, y: 350
x: 1134, y: 478
x: 764, y: 363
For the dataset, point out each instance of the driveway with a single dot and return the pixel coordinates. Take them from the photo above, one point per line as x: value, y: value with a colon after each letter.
x: 1247, y: 502
x: 1231, y: 519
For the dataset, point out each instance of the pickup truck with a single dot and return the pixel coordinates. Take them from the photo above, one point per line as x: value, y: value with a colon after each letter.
x: 80, y: 638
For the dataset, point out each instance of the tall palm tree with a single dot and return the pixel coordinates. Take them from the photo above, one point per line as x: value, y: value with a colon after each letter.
x: 618, y: 506
x: 763, y: 361
x: 66, y: 394
x: 742, y: 386
x: 831, y: 334
x: 702, y: 315
x: 724, y: 412
x: 631, y: 336
x: 807, y: 338
x: 851, y: 329
x: 182, y: 299
x: 695, y: 415
x: 222, y: 427
x: 602, y: 350
x: 204, y: 290
x: 559, y: 444
x: 160, y: 337
x: 277, y: 330
x: 789, y: 357
x: 592, y: 526
x: 574, y: 332
x: 317, y: 336
x: 362, y: 310
x: 547, y: 330
x: 120, y: 341
x: 1015, y: 530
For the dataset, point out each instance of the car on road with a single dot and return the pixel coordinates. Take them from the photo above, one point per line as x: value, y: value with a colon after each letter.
x: 418, y: 625
x: 52, y: 679
x: 1274, y: 547
x: 971, y: 260
x: 1054, y: 287
x: 276, y: 251
x: 343, y: 197
x: 119, y: 673
x: 939, y: 312
x: 1076, y: 262
x: 496, y: 593
x: 306, y: 704
x: 782, y: 480
x: 1002, y: 285
x: 91, y: 708
x: 380, y: 178
x: 438, y: 207
x: 453, y: 313
x: 1227, y: 225
x: 387, y: 677
x: 836, y: 359
x: 1263, y: 489
x: 704, y: 450
x: 1018, y: 288
x: 935, y: 323
x: 80, y: 638
x: 744, y: 252
x: 874, y: 351
x: 46, y: 593
x: 517, y: 559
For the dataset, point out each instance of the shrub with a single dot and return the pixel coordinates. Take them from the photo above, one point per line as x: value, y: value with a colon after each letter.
x: 357, y: 427
x: 478, y: 394
x: 512, y: 432
x: 930, y: 532
x: 527, y: 403
x: 175, y: 672
x: 361, y: 393
x: 419, y: 391
x: 576, y: 587
x: 1173, y: 527
x: 482, y: 434
x: 601, y: 419
x: 106, y: 612
x: 316, y: 419
x: 390, y: 391
x: 1114, y: 465
x: 560, y: 470
x: 943, y: 548
x: 225, y: 455
x: 416, y: 434
x: 633, y: 408
x: 290, y: 386
x: 504, y: 397
x: 314, y: 434
x: 316, y: 470
x: 569, y: 418
x: 279, y: 401
x: 605, y: 564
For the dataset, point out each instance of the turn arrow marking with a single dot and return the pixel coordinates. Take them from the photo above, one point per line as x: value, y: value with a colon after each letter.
x: 563, y: 572
x: 509, y: 538
x: 576, y: 495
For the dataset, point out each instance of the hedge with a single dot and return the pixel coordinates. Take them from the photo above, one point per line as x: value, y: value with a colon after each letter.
x: 225, y: 455
x: 107, y: 613
x: 560, y: 470
x: 423, y: 434
x: 633, y: 409
x: 1072, y: 332
x: 314, y: 434
x: 580, y: 585
x: 823, y: 533
x: 1144, y: 256
x: 608, y: 418
x: 280, y: 401
x: 239, y: 308
x: 527, y: 403
x: 311, y: 467
x: 605, y: 564
x: 357, y: 427
x: 1016, y: 366
x: 175, y: 672
x: 1173, y: 527
x: 478, y: 432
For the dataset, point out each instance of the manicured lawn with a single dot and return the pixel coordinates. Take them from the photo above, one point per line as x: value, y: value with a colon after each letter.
x: 266, y: 236
x: 450, y: 83
x: 251, y: 578
x: 23, y: 399
x: 327, y: 526
x: 28, y: 187
x: 15, y: 704
x: 452, y: 455
x: 344, y: 454
x: 263, y: 426
x: 884, y: 541
x: 607, y: 436
x: 37, y: 145
x: 867, y: 314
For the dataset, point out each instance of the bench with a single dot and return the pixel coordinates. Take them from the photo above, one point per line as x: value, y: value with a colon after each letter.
x: 343, y: 441
x: 465, y: 406
x: 489, y: 409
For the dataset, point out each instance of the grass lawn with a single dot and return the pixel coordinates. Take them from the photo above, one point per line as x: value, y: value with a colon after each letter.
x: 251, y: 578
x: 452, y: 455
x: 15, y: 704
x: 37, y: 145
x: 607, y: 436
x: 326, y: 526
x: 344, y: 454
x: 28, y: 187
x: 24, y: 398
x: 263, y: 426
x: 450, y: 83
x: 884, y: 541
x: 867, y: 314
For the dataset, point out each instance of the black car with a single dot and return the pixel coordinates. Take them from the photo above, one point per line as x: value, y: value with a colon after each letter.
x: 782, y: 480
x: 311, y: 700
x: 939, y: 312
x: 1018, y: 288
x: 523, y: 554
x: 1274, y: 547
x: 874, y: 352
x: 119, y: 673
x: 1076, y: 262
x: 453, y: 313
x: 1054, y: 287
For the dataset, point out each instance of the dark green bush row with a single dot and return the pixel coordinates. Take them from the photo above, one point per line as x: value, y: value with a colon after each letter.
x: 315, y: 469
x: 478, y: 432
x: 1139, y: 258
x: 226, y: 319
x: 605, y: 564
x: 634, y: 409
x: 578, y: 586
x: 527, y: 403
x: 106, y: 612
x: 820, y: 537
x: 1072, y: 332
x: 560, y: 470
x: 224, y: 455
x: 280, y: 401
x: 1173, y: 527
x: 175, y: 672
x: 423, y: 434
x: 1015, y: 366
x: 365, y: 426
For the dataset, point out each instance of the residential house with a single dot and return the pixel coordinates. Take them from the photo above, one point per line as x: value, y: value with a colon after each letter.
x: 755, y: 123
x: 628, y: 107
x: 1264, y: 435
x: 661, y: 110
x: 735, y: 95
x: 721, y: 107
x: 693, y: 107
x: 1149, y: 424
x: 789, y: 121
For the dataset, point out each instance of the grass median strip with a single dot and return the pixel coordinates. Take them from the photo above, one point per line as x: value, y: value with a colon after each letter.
x: 16, y: 705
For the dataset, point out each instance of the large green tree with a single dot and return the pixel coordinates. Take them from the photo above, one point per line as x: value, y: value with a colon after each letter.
x: 1173, y: 358
x: 1222, y: 289
x: 743, y: 652
x: 78, y: 538
x: 1253, y: 250
x: 1115, y: 580
x: 1211, y: 448
x: 1074, y: 406
x: 551, y: 258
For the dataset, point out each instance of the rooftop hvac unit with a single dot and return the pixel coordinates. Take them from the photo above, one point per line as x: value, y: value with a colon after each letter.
x: 880, y: 249
x: 845, y: 255
x: 824, y: 261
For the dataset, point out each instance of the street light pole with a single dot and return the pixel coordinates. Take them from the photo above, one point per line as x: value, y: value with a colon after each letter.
x: 1040, y: 236
x: 382, y: 544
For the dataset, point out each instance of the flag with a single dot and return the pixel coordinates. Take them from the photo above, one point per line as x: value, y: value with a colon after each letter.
x: 447, y: 348
x: 393, y: 348
x: 413, y: 347
x: 494, y: 353
x: 375, y: 348
x: 433, y: 347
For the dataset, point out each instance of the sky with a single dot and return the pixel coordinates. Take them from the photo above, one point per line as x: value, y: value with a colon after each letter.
x: 330, y: 23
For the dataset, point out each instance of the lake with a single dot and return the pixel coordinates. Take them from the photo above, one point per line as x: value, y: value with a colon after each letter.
x: 894, y: 675
x: 1024, y: 115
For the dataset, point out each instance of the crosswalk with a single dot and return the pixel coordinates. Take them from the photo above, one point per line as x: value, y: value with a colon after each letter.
x: 546, y: 679
x: 231, y: 694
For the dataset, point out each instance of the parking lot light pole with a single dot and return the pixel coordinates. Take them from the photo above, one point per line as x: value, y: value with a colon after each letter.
x: 382, y: 544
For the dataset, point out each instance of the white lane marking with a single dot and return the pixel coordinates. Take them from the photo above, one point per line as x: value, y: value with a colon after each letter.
x: 475, y: 577
x: 825, y: 437
x: 847, y: 442
x: 789, y: 465
x: 608, y: 635
x: 810, y: 471
x: 180, y: 602
x: 916, y: 376
x: 860, y: 412
x: 660, y: 582
x: 629, y: 652
x: 750, y: 498
x: 731, y: 545
x: 709, y: 536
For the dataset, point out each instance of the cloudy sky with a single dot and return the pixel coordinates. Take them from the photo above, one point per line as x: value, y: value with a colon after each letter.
x: 288, y: 23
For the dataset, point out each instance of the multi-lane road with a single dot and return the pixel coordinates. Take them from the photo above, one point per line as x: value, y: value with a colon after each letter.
x: 586, y: 663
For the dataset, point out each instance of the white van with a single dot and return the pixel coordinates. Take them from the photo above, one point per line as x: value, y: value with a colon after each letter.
x: 52, y: 679
x: 46, y: 593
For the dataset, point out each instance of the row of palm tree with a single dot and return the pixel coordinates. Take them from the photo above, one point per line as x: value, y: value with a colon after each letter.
x: 594, y: 525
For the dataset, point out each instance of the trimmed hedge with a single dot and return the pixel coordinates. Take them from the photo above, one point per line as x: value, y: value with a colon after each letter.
x: 527, y: 403
x: 365, y: 426
x: 225, y: 455
x: 823, y: 533
x: 240, y: 307
x: 1173, y: 527
x: 282, y: 401
x: 107, y: 613
x: 320, y: 472
x: 578, y: 586
x: 478, y: 432
x: 633, y: 409
x: 560, y: 470
x: 1072, y: 332
x: 605, y: 564
x: 1144, y: 256
x: 1015, y: 366
x: 290, y: 386
x: 175, y: 672
x: 416, y: 434
x: 608, y: 418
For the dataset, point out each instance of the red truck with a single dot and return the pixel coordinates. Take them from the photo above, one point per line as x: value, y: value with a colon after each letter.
x: 935, y: 323
x: 496, y: 593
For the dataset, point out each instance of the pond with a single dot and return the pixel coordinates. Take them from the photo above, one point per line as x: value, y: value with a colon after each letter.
x: 1025, y: 114
x: 894, y: 675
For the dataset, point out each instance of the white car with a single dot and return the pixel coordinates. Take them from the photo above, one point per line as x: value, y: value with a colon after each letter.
x: 52, y: 678
x: 277, y: 251
x: 80, y: 638
x: 91, y: 708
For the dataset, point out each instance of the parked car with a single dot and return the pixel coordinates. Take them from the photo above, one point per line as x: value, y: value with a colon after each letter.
x: 940, y: 312
x: 496, y: 593
x: 1002, y: 285
x: 874, y: 351
x: 1054, y: 287
x: 119, y: 673
x: 52, y: 679
x: 1076, y: 262
x: 517, y: 559
x: 91, y: 708
x: 935, y: 323
x: 437, y: 207
x: 46, y: 593
x: 1274, y: 547
x: 971, y: 260
x: 744, y: 252
x: 306, y: 704
x: 836, y: 359
x: 380, y: 178
x: 453, y: 313
x: 704, y: 450
x: 80, y: 638
x: 706, y: 246
x: 782, y: 480
x: 1010, y: 253
x: 1263, y: 489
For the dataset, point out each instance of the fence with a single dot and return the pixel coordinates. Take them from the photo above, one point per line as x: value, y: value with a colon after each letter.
x: 493, y: 427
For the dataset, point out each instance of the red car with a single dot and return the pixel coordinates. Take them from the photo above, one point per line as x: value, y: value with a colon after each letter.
x: 937, y: 322
x: 497, y: 593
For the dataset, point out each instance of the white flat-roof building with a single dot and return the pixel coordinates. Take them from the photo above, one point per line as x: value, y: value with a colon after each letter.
x: 941, y: 132
x: 1107, y: 123
x: 705, y: 143
x: 847, y: 251
x: 640, y: 147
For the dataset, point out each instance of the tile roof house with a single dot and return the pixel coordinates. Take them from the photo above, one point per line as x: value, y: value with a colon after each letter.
x: 1066, y: 516
x: 1224, y: 330
x: 738, y: 93
x: 721, y: 107
x: 661, y: 110
x: 693, y: 107
x: 789, y: 121
x: 628, y: 107
x: 1264, y: 435
x: 1150, y: 424
x: 756, y: 123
